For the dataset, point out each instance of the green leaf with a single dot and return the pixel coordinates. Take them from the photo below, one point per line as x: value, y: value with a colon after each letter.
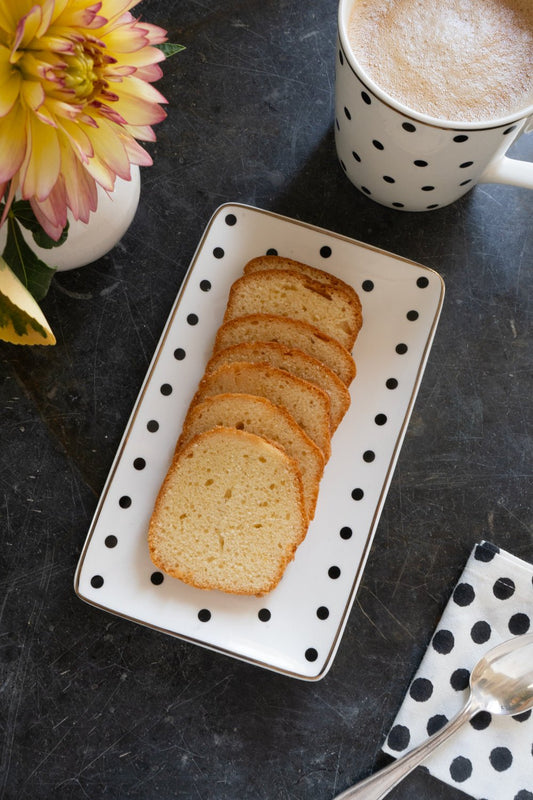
x: 17, y: 320
x: 21, y: 319
x: 23, y: 211
x: 33, y: 273
x: 169, y: 49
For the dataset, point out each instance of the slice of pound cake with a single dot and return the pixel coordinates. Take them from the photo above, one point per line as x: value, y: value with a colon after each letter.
x: 261, y: 263
x: 258, y: 415
x: 230, y: 513
x: 291, y: 360
x: 291, y: 333
x: 291, y: 294
x: 306, y: 403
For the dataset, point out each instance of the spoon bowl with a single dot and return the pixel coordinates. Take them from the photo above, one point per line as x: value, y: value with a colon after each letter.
x: 500, y: 683
x: 502, y: 680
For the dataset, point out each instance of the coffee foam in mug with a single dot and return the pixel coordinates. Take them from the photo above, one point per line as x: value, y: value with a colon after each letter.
x: 460, y: 60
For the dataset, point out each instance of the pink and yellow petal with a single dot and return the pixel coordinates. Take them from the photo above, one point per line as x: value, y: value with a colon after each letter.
x: 32, y: 94
x: 12, y: 142
x: 27, y: 27
x: 40, y: 169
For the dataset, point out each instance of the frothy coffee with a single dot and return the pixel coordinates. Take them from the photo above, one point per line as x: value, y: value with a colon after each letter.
x: 458, y: 60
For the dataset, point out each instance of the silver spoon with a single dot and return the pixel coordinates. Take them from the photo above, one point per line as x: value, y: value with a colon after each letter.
x: 501, y: 683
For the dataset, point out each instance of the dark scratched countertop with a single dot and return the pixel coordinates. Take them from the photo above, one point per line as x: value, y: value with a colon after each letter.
x: 94, y: 706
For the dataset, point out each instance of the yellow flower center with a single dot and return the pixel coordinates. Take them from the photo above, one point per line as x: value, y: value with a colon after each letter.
x: 80, y: 74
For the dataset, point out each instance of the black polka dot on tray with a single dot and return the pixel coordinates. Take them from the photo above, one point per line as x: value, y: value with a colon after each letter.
x: 346, y: 532
x: 157, y: 578
x: 325, y: 251
x: 264, y: 614
x: 97, y: 581
x: 139, y: 463
x: 230, y: 219
x: 218, y: 252
x: 367, y: 285
x: 391, y: 383
x: 380, y: 419
x: 409, y: 127
x: 322, y: 612
x: 334, y: 572
x: 179, y: 354
x: 204, y: 615
x: 165, y: 389
x: 271, y: 251
x: 124, y: 501
x: 311, y: 654
x: 192, y: 319
x: 152, y: 425
x: 111, y: 541
x: 412, y: 315
x: 357, y: 494
x: 205, y: 285
x: 366, y: 98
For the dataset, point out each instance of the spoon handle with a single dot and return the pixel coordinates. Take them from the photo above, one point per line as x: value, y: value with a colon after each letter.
x: 378, y: 785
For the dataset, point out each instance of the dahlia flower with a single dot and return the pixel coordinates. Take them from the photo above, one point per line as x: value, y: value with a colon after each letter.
x: 75, y: 96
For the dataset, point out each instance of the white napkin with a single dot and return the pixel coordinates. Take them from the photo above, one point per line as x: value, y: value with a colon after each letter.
x: 489, y: 758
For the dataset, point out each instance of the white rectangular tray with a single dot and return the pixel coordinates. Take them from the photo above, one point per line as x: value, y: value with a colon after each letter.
x: 297, y: 628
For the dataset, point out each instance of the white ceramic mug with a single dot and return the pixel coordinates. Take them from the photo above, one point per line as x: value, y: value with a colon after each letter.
x: 410, y: 161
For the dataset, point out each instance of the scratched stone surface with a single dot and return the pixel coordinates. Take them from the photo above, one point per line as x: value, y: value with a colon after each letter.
x: 93, y: 706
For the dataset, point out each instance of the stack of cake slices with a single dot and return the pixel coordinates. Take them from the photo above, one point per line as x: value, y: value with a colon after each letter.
x: 243, y: 484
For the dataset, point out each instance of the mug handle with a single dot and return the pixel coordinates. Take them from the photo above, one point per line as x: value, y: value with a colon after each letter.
x: 510, y: 170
